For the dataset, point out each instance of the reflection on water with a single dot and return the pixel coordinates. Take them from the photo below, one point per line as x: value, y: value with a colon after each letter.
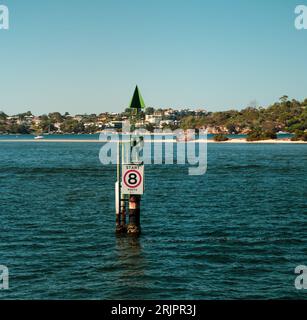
x: 131, y: 258
x: 128, y: 247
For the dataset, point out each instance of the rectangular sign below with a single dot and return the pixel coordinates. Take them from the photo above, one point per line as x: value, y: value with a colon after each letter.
x: 133, y: 179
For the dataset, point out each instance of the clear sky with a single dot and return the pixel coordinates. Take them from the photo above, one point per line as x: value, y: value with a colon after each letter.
x: 87, y: 56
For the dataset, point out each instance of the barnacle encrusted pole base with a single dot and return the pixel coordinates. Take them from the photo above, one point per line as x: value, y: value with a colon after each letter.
x: 134, y: 226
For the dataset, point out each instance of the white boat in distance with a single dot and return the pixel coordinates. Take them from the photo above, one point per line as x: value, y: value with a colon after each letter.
x: 38, y: 137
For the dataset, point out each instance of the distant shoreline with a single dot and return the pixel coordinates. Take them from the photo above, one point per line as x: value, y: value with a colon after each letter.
x: 230, y: 141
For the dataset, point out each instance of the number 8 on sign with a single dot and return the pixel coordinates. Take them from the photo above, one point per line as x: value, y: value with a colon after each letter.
x: 133, y: 179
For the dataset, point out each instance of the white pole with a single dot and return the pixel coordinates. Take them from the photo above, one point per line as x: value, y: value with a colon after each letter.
x: 117, y: 199
x: 117, y: 189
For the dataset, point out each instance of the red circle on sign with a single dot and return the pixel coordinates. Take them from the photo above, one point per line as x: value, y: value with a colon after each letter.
x: 128, y: 173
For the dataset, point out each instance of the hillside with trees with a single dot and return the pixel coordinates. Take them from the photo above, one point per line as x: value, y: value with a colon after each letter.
x: 282, y: 116
x: 257, y: 122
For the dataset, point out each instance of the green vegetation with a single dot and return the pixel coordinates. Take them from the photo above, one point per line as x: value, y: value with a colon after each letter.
x: 3, y: 116
x: 149, y: 127
x: 300, y: 135
x: 258, y: 134
x: 149, y: 111
x: 72, y: 126
x: 18, y: 129
x: 285, y: 115
x: 220, y: 138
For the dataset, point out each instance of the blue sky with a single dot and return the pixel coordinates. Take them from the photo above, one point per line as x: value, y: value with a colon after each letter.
x: 87, y: 56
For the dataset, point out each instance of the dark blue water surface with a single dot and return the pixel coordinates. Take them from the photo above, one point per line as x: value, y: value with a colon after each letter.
x: 237, y: 232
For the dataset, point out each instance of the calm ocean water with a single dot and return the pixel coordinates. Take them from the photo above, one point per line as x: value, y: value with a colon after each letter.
x: 237, y: 232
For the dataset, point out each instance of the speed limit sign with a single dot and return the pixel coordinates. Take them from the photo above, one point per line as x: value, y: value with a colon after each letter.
x: 133, y: 179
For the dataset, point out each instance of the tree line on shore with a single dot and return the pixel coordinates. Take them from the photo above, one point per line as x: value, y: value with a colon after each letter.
x: 257, y: 122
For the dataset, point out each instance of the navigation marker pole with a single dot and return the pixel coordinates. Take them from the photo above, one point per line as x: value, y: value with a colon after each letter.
x: 131, y: 176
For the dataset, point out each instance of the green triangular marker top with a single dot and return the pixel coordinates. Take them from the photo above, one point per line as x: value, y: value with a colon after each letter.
x: 137, y: 101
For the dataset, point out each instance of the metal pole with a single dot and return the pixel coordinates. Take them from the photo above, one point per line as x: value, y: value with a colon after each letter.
x: 118, y: 202
x: 134, y: 226
x: 122, y: 197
